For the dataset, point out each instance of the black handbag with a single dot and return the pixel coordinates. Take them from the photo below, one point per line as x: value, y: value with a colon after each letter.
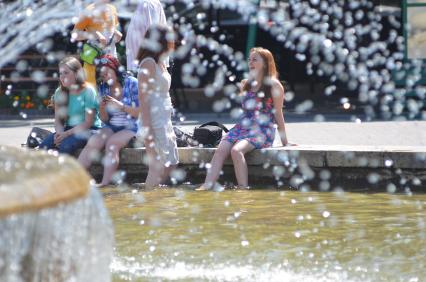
x: 184, y: 139
x: 36, y: 136
x: 209, y: 134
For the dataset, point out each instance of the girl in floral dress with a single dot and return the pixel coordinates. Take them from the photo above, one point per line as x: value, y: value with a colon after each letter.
x: 262, y: 103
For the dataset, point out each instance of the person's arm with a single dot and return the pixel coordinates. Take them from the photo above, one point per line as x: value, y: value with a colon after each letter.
x: 61, y: 113
x: 103, y: 114
x: 91, y: 105
x: 278, y: 100
x: 59, y: 110
x: 241, y: 85
x: 103, y: 93
x: 144, y: 76
x: 88, y: 121
x: 85, y: 125
x: 117, y: 35
x: 119, y: 105
x: 132, y: 111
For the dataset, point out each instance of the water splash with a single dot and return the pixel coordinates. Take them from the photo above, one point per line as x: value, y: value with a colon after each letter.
x: 30, y: 22
x: 71, y: 242
x: 128, y: 268
x: 52, y: 226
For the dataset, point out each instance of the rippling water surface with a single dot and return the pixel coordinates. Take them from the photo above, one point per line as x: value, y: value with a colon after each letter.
x: 268, y: 235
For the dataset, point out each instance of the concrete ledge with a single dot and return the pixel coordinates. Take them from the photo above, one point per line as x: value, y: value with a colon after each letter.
x: 298, y: 165
x: 316, y: 156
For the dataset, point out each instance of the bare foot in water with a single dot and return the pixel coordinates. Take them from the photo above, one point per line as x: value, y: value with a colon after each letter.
x: 203, y: 188
x: 216, y: 187
x: 101, y: 185
x: 241, y: 187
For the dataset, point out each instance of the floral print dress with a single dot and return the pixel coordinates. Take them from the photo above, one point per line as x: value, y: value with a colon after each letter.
x: 256, y: 125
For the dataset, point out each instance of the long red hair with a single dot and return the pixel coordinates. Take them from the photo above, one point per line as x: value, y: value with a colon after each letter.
x: 269, y: 72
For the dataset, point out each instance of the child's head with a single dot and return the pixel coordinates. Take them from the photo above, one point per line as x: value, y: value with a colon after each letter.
x: 262, y: 69
x: 262, y: 63
x: 109, y: 69
x: 71, y: 74
x: 158, y: 41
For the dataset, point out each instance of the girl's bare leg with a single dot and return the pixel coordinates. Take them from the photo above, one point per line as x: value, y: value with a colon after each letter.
x: 240, y: 165
x: 155, y: 169
x: 167, y: 171
x: 112, y: 153
x: 219, y: 157
x: 94, y: 146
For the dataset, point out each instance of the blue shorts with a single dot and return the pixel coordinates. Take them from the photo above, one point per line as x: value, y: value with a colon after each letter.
x: 115, y: 128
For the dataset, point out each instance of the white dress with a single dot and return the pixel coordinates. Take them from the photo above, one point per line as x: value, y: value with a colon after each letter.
x: 161, y: 109
x: 148, y: 12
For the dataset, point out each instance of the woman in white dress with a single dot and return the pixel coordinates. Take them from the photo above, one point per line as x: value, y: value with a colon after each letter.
x: 155, y: 126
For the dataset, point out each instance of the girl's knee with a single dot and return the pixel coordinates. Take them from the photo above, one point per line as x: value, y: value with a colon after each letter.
x: 236, y: 153
x: 96, y: 141
x: 112, y: 146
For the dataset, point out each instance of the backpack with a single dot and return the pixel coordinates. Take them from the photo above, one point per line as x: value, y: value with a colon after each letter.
x: 209, y: 134
x: 36, y: 136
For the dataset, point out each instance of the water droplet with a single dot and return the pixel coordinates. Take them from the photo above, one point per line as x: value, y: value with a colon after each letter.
x: 38, y: 76
x: 373, y: 178
x: 245, y: 243
x: 179, y: 174
x: 391, y: 188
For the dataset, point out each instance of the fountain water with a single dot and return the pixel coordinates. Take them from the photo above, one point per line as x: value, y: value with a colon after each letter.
x: 53, y: 225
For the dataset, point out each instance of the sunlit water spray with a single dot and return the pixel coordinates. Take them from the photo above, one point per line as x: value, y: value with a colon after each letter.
x: 53, y: 226
x: 342, y: 42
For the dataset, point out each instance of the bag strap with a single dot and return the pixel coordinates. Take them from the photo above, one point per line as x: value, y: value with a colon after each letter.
x: 215, y: 123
